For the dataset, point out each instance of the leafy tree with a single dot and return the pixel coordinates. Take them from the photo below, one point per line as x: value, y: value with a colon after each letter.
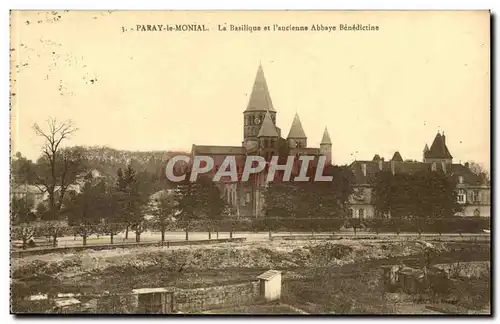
x: 54, y: 229
x: 192, y: 202
x: 293, y: 202
x: 23, y: 232
x: 381, y: 184
x: 22, y: 170
x: 213, y: 204
x: 281, y: 200
x: 21, y: 210
x: 130, y: 201
x: 21, y: 215
x: 228, y: 214
x: 41, y: 211
x: 85, y: 209
x: 355, y: 223
x: 164, y: 208
x: 419, y: 196
x: 199, y: 201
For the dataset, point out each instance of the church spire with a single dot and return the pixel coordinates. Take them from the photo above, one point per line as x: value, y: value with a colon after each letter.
x: 268, y: 129
x: 296, y: 130
x: 326, y: 137
x: 260, y: 100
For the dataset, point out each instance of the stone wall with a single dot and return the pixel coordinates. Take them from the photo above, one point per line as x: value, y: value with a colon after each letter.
x: 196, y: 300
x: 185, y: 300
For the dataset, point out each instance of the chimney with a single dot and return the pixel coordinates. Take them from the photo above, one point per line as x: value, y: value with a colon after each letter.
x: 393, y: 167
x: 363, y: 169
x: 380, y: 164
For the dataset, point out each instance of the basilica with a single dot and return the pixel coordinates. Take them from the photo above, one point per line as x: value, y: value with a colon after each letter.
x: 261, y: 136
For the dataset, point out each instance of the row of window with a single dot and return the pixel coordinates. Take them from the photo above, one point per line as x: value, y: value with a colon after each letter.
x: 359, y: 214
x: 269, y: 142
x: 231, y: 196
x: 475, y: 196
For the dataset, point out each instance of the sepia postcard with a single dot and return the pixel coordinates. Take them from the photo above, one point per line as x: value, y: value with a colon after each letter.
x: 250, y: 162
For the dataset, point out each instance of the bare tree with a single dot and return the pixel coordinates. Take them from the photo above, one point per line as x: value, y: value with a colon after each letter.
x: 58, y: 167
x: 480, y: 170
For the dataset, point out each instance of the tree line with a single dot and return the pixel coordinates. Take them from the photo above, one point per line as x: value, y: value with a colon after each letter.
x: 100, y: 206
x: 96, y: 205
x: 128, y: 206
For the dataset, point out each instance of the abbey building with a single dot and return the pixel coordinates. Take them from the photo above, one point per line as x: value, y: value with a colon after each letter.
x: 263, y: 137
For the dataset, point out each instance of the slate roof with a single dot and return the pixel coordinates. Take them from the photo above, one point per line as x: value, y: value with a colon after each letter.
x: 268, y: 275
x: 326, y: 137
x: 149, y: 290
x: 452, y: 170
x: 438, y: 149
x: 296, y: 130
x: 268, y: 129
x: 218, y: 150
x: 305, y: 150
x: 260, y: 100
x: 397, y: 157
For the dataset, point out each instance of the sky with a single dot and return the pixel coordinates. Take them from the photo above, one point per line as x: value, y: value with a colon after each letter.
x: 375, y: 91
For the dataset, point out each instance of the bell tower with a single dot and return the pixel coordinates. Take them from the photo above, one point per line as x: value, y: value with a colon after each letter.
x: 258, y: 106
x: 268, y: 138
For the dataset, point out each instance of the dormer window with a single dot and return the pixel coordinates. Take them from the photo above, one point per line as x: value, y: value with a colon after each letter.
x: 460, y: 179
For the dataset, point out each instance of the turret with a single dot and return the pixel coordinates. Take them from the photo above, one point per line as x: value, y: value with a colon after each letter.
x: 297, y: 137
x: 426, y: 149
x: 438, y: 152
x: 325, y: 147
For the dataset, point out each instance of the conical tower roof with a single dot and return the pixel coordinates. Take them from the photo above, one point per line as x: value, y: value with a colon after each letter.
x: 268, y: 129
x: 397, y: 157
x: 326, y: 138
x: 260, y: 100
x: 426, y: 148
x: 296, y: 130
x: 438, y: 148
